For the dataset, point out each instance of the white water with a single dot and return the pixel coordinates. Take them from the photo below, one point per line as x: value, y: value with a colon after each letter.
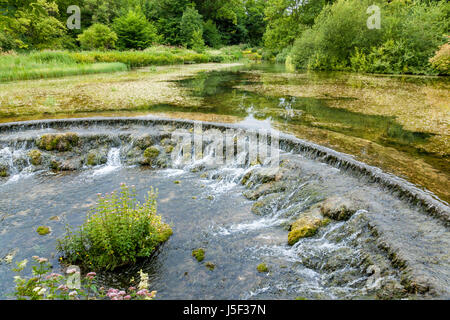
x: 113, y: 163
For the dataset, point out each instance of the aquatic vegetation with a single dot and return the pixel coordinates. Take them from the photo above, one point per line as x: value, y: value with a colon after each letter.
x: 117, y: 232
x: 262, y: 268
x: 43, y: 230
x: 199, y: 254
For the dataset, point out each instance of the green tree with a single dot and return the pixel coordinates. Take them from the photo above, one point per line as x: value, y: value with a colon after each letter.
x: 98, y: 36
x: 287, y: 19
x: 191, y: 26
x: 134, y: 31
x: 31, y: 24
x: 211, y: 34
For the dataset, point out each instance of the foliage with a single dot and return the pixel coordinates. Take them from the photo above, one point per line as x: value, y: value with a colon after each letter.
x: 26, y: 24
x: 191, y: 26
x: 441, y: 60
x: 134, y: 31
x: 211, y: 34
x: 117, y: 232
x: 47, y: 285
x: 340, y: 39
x: 287, y: 19
x: 98, y: 36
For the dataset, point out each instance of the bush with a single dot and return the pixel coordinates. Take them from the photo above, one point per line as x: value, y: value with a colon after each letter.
x: 281, y: 57
x: 134, y: 31
x: 117, y: 232
x: 98, y: 36
x: 441, y: 60
x: 340, y: 40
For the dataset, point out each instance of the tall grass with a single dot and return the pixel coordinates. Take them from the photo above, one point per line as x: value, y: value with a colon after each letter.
x: 41, y: 65
x: 51, y: 64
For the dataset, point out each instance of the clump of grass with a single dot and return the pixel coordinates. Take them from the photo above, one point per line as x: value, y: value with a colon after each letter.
x: 199, y: 254
x: 42, y: 65
x: 117, y: 232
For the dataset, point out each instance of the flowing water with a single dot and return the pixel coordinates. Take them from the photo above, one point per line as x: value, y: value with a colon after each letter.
x: 395, y: 246
x: 391, y: 247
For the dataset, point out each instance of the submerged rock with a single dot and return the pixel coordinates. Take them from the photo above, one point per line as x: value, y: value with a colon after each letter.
x: 267, y: 204
x: 338, y: 208
x: 265, y: 189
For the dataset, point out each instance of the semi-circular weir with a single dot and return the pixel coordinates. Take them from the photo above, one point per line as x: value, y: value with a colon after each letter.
x: 376, y: 235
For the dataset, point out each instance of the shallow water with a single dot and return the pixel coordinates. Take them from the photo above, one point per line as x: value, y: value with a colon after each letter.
x: 338, y: 110
x: 235, y: 240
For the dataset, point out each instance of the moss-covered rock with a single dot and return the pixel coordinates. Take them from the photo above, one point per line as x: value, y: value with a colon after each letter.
x: 150, y: 154
x: 262, y: 268
x: 144, y: 142
x: 338, y: 208
x: 43, y: 230
x: 96, y: 157
x: 35, y: 157
x: 55, y: 165
x: 211, y: 266
x: 199, y: 254
x: 306, y: 226
x: 58, y: 142
x: 4, y: 172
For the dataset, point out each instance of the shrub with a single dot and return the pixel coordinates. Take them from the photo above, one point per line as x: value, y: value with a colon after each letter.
x: 134, y: 31
x: 98, y: 36
x: 339, y: 40
x: 117, y: 232
x: 441, y: 60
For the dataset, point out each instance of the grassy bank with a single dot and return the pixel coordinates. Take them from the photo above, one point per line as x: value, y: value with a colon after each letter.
x: 53, y: 64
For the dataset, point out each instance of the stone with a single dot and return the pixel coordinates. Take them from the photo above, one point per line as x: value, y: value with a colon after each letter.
x: 306, y: 226
x: 58, y: 142
x: 35, y: 157
x: 337, y: 208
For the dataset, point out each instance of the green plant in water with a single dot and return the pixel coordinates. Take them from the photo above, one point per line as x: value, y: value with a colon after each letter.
x: 43, y: 230
x: 262, y: 267
x: 116, y: 232
x: 199, y: 254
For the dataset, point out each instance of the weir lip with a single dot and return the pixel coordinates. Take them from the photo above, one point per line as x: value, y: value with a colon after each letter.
x: 429, y: 202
